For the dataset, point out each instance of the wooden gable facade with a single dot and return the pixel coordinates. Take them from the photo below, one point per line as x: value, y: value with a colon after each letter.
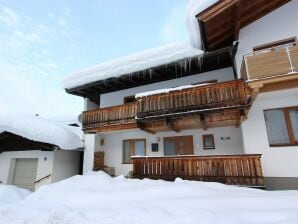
x: 220, y: 24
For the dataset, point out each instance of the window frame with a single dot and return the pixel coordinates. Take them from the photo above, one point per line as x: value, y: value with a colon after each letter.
x: 290, y: 129
x: 132, y: 148
x: 205, y: 147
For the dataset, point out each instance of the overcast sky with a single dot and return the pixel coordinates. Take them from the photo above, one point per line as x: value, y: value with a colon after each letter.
x: 42, y: 41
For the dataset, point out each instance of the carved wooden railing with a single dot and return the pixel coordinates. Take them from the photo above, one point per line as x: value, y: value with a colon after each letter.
x: 122, y: 114
x: 219, y: 95
x: 271, y: 62
x: 228, y: 169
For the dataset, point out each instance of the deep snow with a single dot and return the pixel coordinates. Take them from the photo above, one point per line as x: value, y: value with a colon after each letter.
x: 98, y: 198
x: 43, y: 130
x: 132, y: 63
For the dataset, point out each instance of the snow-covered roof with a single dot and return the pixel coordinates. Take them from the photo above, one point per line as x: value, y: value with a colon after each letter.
x: 194, y: 8
x: 167, y: 90
x: 132, y: 63
x: 42, y: 130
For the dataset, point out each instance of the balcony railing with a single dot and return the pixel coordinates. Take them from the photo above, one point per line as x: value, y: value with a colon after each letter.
x: 110, y: 116
x: 228, y: 169
x: 219, y: 95
x: 271, y: 62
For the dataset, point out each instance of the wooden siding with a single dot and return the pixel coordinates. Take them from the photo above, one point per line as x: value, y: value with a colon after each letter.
x: 213, y: 99
x: 220, y: 24
x: 211, y: 96
x: 110, y: 116
x: 229, y: 169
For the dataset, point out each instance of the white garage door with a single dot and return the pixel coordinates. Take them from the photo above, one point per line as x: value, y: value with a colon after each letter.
x: 25, y: 173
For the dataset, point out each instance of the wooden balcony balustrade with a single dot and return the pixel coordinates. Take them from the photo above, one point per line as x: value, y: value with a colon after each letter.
x: 228, y: 169
x: 110, y: 116
x: 271, y: 62
x: 219, y: 95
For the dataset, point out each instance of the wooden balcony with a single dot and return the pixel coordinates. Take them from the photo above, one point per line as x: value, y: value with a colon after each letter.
x: 201, y: 98
x: 110, y: 118
x: 243, y: 170
x: 272, y: 69
x: 211, y: 105
x: 214, y: 105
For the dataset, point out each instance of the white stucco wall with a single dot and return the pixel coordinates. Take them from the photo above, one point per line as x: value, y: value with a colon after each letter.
x: 280, y: 24
x: 90, y: 144
x: 113, y: 144
x: 66, y: 164
x: 276, y: 161
x: 44, y: 167
x: 116, y: 98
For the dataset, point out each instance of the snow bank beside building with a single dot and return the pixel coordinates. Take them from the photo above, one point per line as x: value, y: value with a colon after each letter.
x: 132, y: 63
x: 42, y: 130
x: 195, y: 7
x: 98, y: 198
x: 10, y: 194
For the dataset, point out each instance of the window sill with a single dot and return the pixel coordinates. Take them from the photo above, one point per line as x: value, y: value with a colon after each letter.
x: 283, y: 145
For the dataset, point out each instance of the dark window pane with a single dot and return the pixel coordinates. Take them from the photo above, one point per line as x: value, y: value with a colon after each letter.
x: 276, y: 127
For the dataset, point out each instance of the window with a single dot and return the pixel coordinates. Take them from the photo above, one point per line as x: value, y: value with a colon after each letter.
x: 129, y: 99
x: 208, y: 142
x: 133, y: 147
x: 282, y: 126
x: 178, y: 145
x: 283, y: 42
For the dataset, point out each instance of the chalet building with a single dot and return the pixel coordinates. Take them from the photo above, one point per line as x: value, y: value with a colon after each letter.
x: 222, y: 108
x: 35, y: 151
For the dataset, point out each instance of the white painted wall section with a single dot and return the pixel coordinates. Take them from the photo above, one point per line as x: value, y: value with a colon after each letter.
x: 113, y: 144
x: 44, y: 167
x: 90, y: 144
x: 276, y: 161
x: 66, y: 164
x: 116, y: 98
x: 280, y: 24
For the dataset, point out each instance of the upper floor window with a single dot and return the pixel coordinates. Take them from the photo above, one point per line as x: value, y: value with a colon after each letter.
x: 282, y: 126
x: 129, y: 99
x: 284, y: 42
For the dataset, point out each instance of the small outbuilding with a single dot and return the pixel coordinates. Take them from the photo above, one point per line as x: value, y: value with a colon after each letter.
x: 35, y: 151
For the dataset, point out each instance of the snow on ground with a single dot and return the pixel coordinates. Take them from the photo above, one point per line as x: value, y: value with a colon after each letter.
x: 98, y: 198
x: 39, y: 129
x: 11, y: 194
x: 132, y: 63
x: 194, y: 8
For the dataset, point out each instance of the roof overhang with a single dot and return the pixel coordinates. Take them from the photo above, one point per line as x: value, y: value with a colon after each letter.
x: 11, y: 142
x: 209, y: 61
x: 220, y: 24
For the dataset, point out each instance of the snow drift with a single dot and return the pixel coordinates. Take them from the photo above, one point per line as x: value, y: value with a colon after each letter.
x: 194, y: 8
x: 11, y: 194
x: 42, y: 130
x: 98, y: 198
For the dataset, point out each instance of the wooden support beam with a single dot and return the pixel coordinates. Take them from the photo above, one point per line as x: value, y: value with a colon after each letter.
x: 142, y: 127
x: 171, y: 124
x: 241, y: 118
x: 237, y: 19
x: 203, y: 122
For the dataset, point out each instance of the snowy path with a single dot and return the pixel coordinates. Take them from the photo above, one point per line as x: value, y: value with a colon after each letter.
x: 97, y: 198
